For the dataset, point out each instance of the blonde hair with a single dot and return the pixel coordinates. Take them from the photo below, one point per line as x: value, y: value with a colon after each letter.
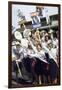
x: 37, y: 35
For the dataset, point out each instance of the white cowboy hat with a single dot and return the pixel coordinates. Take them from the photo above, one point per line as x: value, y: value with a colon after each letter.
x: 27, y: 33
x: 43, y: 31
x: 50, y: 31
x: 18, y: 35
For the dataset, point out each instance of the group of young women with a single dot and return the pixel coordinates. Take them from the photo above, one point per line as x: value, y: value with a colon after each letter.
x: 36, y: 57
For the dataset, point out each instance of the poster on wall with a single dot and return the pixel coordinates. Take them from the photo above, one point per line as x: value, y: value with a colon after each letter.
x: 33, y: 44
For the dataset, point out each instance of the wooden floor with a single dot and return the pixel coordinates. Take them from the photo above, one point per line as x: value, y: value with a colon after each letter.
x: 18, y: 85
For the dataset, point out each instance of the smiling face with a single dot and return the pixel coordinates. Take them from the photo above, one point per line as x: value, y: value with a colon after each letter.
x: 18, y: 47
x: 39, y: 47
x: 46, y: 38
x: 50, y: 45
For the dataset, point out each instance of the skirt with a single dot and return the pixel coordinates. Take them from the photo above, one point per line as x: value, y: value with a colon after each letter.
x: 53, y: 69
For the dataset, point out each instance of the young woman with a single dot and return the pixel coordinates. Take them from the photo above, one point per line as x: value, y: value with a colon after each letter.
x: 39, y: 55
x: 52, y: 59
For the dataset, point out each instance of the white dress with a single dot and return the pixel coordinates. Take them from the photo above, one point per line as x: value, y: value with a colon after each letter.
x: 55, y: 42
x: 40, y: 55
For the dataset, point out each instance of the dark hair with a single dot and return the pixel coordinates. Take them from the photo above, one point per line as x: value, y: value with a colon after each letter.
x: 54, y: 35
